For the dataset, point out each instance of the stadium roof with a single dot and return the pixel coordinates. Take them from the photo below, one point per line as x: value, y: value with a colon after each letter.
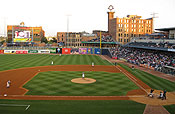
x: 101, y: 42
x: 166, y: 29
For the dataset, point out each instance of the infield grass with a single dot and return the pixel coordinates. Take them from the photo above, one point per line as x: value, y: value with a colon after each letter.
x: 59, y: 83
x: 10, y: 61
x: 73, y: 107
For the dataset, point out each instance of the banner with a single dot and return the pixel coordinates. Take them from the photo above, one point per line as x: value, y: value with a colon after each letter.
x: 44, y: 51
x: 89, y: 51
x: 74, y: 51
x: 9, y: 51
x: 83, y: 50
x: 59, y: 50
x: 1, y: 51
x: 97, y: 51
x: 32, y: 51
x: 52, y: 50
x: 66, y: 50
x: 21, y: 51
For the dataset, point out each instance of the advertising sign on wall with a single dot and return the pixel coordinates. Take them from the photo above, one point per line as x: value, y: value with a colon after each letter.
x: 89, y: 51
x: 59, y: 50
x: 74, y: 51
x: 32, y: 51
x: 97, y: 51
x: 52, y: 50
x: 66, y: 50
x: 44, y: 51
x: 1, y: 51
x: 21, y: 51
x: 9, y: 51
x: 83, y: 50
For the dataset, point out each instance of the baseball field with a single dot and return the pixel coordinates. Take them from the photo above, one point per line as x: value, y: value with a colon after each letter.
x: 37, y: 86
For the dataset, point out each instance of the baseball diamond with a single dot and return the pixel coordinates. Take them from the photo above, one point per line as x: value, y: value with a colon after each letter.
x: 38, y: 83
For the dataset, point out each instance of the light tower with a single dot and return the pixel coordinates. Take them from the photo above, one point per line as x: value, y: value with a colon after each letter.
x: 154, y: 16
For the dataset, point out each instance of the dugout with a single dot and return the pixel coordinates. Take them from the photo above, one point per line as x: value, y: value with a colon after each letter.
x: 169, y: 70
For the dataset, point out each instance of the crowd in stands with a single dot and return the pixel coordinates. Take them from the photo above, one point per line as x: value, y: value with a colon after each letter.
x: 104, y: 38
x: 151, y: 44
x: 154, y: 59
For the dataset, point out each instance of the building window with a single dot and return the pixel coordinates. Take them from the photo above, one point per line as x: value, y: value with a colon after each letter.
x: 119, y: 35
x: 124, y: 35
x: 127, y: 40
x: 124, y: 40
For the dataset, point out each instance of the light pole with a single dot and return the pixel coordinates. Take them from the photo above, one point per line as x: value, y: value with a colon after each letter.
x: 67, y: 29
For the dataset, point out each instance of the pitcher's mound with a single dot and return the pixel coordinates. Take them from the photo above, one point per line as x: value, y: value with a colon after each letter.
x: 83, y: 81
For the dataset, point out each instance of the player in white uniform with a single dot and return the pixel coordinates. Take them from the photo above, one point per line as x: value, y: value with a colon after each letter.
x: 92, y: 64
x: 8, y: 84
x: 83, y: 76
x: 52, y: 62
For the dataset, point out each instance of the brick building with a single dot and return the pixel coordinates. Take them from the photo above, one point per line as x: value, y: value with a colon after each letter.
x: 123, y: 29
x: 21, y: 33
x: 74, y: 39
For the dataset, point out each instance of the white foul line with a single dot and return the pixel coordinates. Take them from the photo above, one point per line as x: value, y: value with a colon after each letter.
x: 128, y: 76
x: 16, y: 105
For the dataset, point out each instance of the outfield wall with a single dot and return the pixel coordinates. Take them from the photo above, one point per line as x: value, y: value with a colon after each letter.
x: 55, y: 51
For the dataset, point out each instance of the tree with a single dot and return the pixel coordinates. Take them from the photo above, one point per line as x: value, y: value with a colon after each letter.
x: 54, y: 40
x: 43, y: 39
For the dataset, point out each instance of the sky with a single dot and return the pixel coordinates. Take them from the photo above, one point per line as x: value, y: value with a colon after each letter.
x: 83, y: 15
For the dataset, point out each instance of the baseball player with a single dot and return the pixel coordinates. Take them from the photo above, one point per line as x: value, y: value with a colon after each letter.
x: 92, y: 64
x: 83, y: 76
x: 151, y: 93
x: 52, y: 62
x: 8, y: 84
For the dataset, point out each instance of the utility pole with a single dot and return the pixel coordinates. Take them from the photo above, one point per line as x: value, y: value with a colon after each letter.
x: 153, y: 16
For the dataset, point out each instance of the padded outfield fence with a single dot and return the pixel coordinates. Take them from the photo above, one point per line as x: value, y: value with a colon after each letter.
x: 57, y: 51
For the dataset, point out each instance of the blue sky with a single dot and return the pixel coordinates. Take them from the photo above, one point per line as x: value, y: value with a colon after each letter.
x: 86, y: 15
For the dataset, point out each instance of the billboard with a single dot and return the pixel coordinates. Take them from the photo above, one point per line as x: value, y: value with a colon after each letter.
x: 89, y: 51
x: 83, y: 50
x: 9, y: 51
x: 97, y: 51
x: 22, y: 36
x: 1, y: 51
x: 52, y: 50
x: 74, y: 51
x: 59, y: 50
x: 44, y: 51
x: 66, y: 50
x: 21, y: 51
x: 32, y: 51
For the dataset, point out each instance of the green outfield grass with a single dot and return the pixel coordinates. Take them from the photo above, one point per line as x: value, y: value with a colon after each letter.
x: 59, y: 83
x: 170, y: 108
x: 72, y: 107
x: 151, y: 80
x: 31, y: 60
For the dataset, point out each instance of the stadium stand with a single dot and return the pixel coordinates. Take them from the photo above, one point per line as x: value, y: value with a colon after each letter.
x: 162, y: 61
x: 104, y: 38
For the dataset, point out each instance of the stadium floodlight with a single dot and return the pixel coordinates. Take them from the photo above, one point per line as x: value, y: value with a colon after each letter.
x: 153, y: 16
x: 68, y: 15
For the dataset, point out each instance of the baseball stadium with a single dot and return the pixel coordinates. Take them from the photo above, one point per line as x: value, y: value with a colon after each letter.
x: 52, y: 83
x: 81, y: 73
